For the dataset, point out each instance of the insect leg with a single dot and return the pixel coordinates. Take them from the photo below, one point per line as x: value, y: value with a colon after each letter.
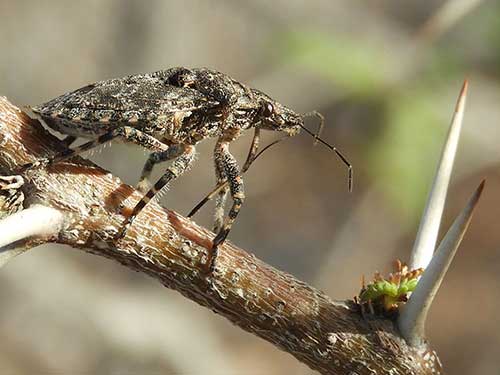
x: 221, y: 178
x: 180, y: 165
x: 220, y: 199
x: 128, y: 133
x: 252, y: 153
x: 224, y: 184
x: 68, y: 140
x: 227, y: 163
x: 155, y: 158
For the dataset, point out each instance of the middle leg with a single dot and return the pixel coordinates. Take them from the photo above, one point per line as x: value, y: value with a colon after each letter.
x: 127, y: 133
x: 153, y: 159
x: 68, y: 140
x: 179, y: 166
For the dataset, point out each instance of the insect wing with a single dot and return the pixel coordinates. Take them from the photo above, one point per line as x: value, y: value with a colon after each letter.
x: 142, y: 99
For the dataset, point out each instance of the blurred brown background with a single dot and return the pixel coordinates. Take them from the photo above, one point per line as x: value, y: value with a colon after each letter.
x: 386, y: 75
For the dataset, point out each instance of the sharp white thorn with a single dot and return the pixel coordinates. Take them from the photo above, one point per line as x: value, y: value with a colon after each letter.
x: 413, y: 315
x: 425, y: 242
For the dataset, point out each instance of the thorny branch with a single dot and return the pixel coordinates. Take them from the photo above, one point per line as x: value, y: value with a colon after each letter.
x: 329, y: 336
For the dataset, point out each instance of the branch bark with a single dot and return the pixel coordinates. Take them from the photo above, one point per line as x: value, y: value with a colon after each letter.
x: 329, y: 336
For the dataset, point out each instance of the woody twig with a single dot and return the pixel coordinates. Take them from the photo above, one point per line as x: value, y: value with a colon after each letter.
x: 83, y: 206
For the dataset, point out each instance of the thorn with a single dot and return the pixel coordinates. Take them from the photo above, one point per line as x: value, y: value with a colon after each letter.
x: 425, y: 242
x: 413, y: 315
x: 444, y: 18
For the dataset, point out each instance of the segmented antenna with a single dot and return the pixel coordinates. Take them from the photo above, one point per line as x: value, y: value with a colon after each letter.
x: 332, y: 148
x: 321, y: 123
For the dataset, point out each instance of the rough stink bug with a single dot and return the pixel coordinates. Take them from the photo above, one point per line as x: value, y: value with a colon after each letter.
x: 169, y: 112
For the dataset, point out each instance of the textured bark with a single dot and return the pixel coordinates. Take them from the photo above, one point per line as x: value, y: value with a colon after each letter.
x: 329, y: 336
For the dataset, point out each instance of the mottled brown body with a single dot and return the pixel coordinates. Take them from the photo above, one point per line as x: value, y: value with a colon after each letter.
x: 168, y: 112
x: 178, y: 105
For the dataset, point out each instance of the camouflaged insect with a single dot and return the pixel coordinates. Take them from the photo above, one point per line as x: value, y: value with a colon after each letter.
x: 385, y: 295
x: 169, y: 112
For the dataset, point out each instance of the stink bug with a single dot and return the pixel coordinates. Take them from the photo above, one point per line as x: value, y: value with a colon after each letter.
x: 169, y: 112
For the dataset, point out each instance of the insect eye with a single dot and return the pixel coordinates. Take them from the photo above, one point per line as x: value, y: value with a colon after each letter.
x: 181, y: 78
x: 175, y: 80
x: 267, y: 109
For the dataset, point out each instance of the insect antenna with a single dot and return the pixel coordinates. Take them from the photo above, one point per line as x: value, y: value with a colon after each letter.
x: 334, y: 149
x: 321, y: 123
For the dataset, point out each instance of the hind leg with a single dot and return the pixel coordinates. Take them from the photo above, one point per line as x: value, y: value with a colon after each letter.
x: 127, y: 133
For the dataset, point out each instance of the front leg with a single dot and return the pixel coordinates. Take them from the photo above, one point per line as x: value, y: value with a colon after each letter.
x: 227, y: 164
x: 220, y: 200
x: 252, y: 155
x: 221, y: 178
